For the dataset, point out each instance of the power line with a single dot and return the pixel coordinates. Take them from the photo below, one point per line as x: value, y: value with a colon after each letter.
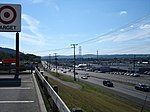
x: 54, y: 50
x: 130, y: 49
x: 115, y: 30
x: 106, y: 34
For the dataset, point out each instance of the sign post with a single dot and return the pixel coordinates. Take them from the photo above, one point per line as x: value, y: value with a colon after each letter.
x: 17, y: 55
x: 10, y: 21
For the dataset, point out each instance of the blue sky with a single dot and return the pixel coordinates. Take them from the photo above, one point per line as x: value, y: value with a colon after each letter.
x: 109, y: 26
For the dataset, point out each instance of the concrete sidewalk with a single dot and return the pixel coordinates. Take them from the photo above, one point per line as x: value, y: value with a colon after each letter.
x: 20, y: 95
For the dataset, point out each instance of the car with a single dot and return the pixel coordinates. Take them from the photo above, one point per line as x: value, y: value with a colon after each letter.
x: 76, y: 73
x: 87, y: 75
x: 64, y: 72
x: 108, y: 83
x: 97, y: 71
x: 84, y: 77
x: 69, y: 70
x: 136, y: 75
x: 142, y: 87
x: 148, y: 73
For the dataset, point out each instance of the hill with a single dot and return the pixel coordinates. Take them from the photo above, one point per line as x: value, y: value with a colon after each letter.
x: 7, y: 50
x: 101, y: 56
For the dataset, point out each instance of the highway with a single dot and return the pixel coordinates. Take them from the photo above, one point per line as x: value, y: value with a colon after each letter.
x: 123, y: 85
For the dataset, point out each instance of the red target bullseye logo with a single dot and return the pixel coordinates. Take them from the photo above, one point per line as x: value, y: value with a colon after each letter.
x: 7, y: 14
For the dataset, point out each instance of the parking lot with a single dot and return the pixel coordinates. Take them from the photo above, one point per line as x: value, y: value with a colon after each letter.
x: 18, y: 95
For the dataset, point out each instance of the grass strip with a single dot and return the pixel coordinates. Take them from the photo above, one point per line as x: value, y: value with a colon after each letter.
x: 92, y: 99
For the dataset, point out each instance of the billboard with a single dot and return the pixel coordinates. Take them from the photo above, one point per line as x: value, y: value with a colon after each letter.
x: 10, y: 18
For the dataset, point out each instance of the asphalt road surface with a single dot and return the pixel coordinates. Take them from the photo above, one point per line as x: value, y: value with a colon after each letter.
x: 18, y: 95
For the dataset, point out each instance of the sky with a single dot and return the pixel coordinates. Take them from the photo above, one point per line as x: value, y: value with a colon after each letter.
x: 106, y: 26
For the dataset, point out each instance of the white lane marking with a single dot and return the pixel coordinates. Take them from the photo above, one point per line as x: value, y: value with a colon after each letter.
x: 16, y: 102
x: 19, y: 81
x: 17, y: 88
x: 26, y: 81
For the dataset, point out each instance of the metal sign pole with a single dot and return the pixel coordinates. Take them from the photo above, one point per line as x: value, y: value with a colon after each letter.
x: 17, y: 55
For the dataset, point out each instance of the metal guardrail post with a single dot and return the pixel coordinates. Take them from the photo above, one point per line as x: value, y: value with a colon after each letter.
x: 46, y: 78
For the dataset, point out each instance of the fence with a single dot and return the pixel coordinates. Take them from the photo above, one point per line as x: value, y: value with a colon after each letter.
x: 57, y: 100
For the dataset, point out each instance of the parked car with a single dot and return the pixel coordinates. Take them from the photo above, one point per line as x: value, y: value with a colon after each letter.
x: 148, y: 73
x: 108, y: 83
x: 142, y: 87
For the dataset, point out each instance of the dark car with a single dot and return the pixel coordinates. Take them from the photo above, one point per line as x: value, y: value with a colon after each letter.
x: 87, y: 75
x: 108, y: 83
x: 142, y: 87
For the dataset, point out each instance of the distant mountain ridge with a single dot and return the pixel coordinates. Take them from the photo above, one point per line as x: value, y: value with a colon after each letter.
x: 100, y: 56
x: 12, y: 51
x: 7, y: 50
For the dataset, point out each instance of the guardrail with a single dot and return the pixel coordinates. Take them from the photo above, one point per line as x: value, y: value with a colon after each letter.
x: 57, y: 100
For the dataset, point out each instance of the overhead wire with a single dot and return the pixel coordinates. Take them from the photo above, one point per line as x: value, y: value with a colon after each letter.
x: 113, y: 31
x: 54, y: 50
x: 105, y: 34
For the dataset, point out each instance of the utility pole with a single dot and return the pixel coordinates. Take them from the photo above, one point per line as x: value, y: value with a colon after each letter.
x: 80, y: 54
x: 74, y: 46
x: 134, y: 65
x: 97, y: 56
x: 49, y: 61
x: 56, y: 61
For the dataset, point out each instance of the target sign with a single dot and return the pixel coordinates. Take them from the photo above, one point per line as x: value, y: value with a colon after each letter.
x: 10, y: 17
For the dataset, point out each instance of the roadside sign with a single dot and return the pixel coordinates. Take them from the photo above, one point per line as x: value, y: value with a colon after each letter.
x: 10, y: 18
x: 8, y: 60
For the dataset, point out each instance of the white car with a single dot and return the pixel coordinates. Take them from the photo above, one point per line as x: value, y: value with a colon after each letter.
x: 84, y: 77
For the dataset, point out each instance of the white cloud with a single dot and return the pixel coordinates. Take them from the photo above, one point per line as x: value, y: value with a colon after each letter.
x: 123, y: 12
x: 30, y: 34
x: 121, y: 30
x: 39, y: 1
x: 57, y: 8
x: 146, y: 26
x: 128, y: 34
x: 131, y: 26
x: 32, y: 24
